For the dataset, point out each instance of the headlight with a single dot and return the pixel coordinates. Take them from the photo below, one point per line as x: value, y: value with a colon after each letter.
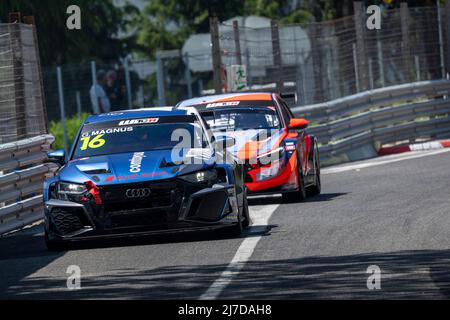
x: 209, y: 176
x: 70, y: 191
x: 271, y: 171
x: 71, y: 188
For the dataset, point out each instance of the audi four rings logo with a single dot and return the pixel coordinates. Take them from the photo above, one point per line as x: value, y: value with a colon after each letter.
x: 138, y: 193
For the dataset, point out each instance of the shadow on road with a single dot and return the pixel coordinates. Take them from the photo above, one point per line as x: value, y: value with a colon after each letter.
x: 29, y: 247
x: 24, y: 253
x: 325, y: 197
x: 404, y: 275
x: 279, y: 200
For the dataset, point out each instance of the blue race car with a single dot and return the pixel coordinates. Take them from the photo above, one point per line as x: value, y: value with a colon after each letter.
x: 140, y: 172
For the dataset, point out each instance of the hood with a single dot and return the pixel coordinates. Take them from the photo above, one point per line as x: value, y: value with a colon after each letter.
x: 133, y: 167
x: 250, y: 143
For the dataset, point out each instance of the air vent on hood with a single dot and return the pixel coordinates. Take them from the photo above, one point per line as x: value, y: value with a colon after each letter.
x: 94, y: 168
x: 97, y: 171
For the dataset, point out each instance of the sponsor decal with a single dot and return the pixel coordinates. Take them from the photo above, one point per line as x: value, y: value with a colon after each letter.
x: 135, y: 162
x: 138, y: 121
x: 106, y: 131
x: 109, y: 179
x: 290, y: 146
x: 142, y: 175
x: 153, y: 174
x: 131, y: 176
x: 222, y: 104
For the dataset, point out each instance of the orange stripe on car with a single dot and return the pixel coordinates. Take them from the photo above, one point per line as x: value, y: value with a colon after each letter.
x: 245, y: 97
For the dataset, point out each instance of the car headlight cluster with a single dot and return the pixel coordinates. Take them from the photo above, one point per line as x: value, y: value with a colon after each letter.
x: 70, y: 191
x: 270, y: 171
x: 271, y: 164
x: 204, y: 177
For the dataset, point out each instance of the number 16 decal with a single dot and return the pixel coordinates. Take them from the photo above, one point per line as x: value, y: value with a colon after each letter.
x: 96, y: 142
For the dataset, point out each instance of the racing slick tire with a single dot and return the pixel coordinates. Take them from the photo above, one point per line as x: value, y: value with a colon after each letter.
x: 246, y: 213
x: 317, y: 187
x: 54, y: 245
x: 300, y: 194
x: 244, y: 221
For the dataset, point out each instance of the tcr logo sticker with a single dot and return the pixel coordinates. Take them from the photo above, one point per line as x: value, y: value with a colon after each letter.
x: 138, y: 121
x: 222, y: 104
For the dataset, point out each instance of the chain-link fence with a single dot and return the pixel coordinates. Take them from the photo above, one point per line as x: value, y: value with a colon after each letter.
x: 126, y: 86
x: 333, y: 59
x: 22, y: 113
x: 138, y: 84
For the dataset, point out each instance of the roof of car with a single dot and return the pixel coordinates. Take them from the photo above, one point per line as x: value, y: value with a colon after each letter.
x: 244, y: 96
x: 138, y: 113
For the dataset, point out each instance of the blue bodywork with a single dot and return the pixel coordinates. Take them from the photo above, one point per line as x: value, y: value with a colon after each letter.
x: 180, y: 204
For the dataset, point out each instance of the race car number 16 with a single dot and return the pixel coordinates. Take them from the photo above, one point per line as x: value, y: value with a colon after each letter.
x: 96, y: 142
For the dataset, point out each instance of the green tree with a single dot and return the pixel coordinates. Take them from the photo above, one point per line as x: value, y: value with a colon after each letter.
x: 166, y: 24
x: 101, y: 22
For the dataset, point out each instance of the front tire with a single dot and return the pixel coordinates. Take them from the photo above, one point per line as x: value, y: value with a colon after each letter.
x: 317, y: 187
x: 246, y: 213
x: 244, y: 220
x: 300, y: 194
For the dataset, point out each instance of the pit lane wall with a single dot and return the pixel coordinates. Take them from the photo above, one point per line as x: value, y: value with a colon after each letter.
x: 23, y: 169
x: 355, y: 127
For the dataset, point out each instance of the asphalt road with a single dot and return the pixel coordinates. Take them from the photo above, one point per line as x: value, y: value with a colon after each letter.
x: 392, y: 212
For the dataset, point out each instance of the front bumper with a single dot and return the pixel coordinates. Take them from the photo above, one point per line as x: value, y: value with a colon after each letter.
x: 285, y: 181
x: 173, y: 207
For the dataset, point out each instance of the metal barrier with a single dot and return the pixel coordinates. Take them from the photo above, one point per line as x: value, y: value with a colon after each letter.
x: 386, y: 115
x: 22, y: 171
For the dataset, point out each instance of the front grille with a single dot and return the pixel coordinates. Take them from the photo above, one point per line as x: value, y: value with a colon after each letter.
x: 162, y: 194
x: 141, y: 219
x: 67, y: 220
x: 151, y: 211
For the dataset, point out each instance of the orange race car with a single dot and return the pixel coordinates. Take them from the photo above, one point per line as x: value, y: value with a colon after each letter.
x: 279, y: 155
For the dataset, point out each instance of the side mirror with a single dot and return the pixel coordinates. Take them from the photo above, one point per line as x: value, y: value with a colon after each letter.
x: 57, y: 156
x: 298, y: 123
x: 225, y: 142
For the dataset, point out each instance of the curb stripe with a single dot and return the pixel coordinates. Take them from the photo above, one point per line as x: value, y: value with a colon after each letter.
x: 433, y: 145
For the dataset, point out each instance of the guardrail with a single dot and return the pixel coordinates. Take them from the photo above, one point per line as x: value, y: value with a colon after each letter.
x: 386, y: 115
x: 22, y: 171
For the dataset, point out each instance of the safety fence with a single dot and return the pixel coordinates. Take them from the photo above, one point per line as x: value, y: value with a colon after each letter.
x: 327, y: 60
x: 22, y: 172
x: 419, y: 110
x: 22, y: 103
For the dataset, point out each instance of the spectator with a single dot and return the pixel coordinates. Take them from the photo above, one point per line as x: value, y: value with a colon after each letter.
x: 113, y: 91
x: 99, y: 99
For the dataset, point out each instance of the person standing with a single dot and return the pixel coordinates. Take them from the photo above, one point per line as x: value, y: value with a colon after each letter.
x: 113, y: 91
x: 99, y: 100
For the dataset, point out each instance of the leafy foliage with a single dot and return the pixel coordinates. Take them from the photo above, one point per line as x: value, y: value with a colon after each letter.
x: 101, y: 22
x: 72, y: 125
x: 166, y: 24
